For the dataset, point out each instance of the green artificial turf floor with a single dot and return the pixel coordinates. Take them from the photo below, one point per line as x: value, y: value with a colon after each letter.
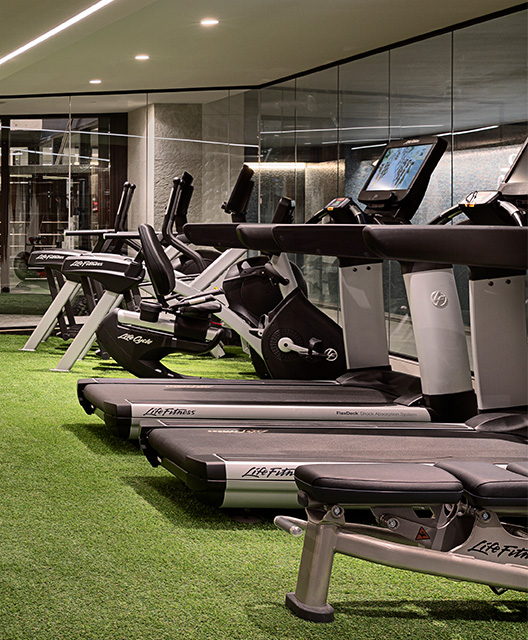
x: 97, y: 544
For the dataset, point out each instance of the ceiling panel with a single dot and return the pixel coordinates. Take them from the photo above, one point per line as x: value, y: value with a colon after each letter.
x: 255, y: 42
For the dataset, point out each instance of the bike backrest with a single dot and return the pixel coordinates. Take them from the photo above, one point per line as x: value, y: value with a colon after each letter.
x: 157, y: 262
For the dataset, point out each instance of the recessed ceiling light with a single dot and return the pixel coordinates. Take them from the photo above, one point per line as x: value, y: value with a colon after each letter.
x: 64, y: 25
x: 95, y: 81
x: 208, y: 22
x: 142, y: 56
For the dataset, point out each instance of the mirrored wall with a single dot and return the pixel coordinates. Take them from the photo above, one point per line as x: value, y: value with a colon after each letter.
x: 311, y: 138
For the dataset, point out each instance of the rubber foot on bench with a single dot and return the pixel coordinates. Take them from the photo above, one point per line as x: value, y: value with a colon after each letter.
x: 313, y: 614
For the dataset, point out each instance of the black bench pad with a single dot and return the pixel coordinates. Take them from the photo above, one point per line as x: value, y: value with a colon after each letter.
x: 482, y: 483
x: 378, y: 484
x: 487, y: 485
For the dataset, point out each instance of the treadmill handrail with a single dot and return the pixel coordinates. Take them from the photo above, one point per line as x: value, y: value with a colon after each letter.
x: 259, y: 236
x: 487, y: 246
x: 483, y: 246
x: 214, y: 234
x: 341, y: 240
x: 222, y: 235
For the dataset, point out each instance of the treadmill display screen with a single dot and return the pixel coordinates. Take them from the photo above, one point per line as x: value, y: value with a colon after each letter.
x: 519, y: 172
x: 398, y: 168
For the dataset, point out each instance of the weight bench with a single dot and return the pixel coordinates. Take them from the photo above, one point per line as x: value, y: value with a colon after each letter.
x: 440, y: 520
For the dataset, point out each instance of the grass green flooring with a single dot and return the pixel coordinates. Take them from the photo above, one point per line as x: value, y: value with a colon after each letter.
x: 97, y: 544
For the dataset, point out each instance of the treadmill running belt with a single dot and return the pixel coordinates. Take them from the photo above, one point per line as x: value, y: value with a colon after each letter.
x: 255, y: 468
x: 123, y: 406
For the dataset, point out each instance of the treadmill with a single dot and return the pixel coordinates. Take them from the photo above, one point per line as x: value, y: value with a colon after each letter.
x: 370, y: 390
x: 235, y: 464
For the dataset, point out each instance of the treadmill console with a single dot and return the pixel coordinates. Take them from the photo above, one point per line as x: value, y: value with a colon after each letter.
x: 507, y: 205
x: 239, y: 199
x: 480, y: 198
x: 514, y: 187
x: 341, y: 211
x: 518, y: 172
x: 284, y: 211
x: 337, y: 203
x: 398, y: 183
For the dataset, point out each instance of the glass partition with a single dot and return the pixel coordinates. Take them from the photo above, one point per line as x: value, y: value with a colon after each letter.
x: 363, y: 119
x: 317, y: 174
x: 91, y: 198
x: 224, y: 120
x: 363, y: 127
x: 34, y: 199
x: 249, y: 103
x: 66, y: 170
x: 490, y: 98
x: 277, y: 169
x: 189, y: 132
x: 420, y: 105
x: 203, y: 133
x: 489, y: 115
x: 317, y: 139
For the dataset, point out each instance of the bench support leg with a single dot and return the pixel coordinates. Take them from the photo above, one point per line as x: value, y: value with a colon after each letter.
x: 309, y: 600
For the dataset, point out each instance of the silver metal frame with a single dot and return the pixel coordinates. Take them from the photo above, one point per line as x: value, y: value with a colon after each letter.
x: 499, y: 341
x: 363, y: 316
x: 48, y: 321
x: 439, y: 331
x: 86, y: 336
x: 327, y: 533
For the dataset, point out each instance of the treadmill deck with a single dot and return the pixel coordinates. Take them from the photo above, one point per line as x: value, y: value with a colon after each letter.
x: 254, y: 467
x: 124, y: 405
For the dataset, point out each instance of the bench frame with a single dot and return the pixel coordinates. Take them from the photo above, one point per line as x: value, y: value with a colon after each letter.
x: 460, y: 542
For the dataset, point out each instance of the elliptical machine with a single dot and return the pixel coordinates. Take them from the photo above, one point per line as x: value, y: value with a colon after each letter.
x: 139, y: 341
x: 185, y: 260
x: 63, y: 291
x: 120, y: 276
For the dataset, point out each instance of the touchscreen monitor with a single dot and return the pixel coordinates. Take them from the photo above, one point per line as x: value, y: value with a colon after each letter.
x: 398, y: 167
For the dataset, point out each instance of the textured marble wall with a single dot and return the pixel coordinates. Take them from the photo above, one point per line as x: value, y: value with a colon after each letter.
x: 223, y: 123
x: 177, y: 148
x: 137, y: 166
x: 167, y: 139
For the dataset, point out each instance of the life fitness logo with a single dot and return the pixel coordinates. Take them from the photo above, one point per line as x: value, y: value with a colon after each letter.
x: 51, y: 256
x: 439, y: 299
x: 129, y: 337
x: 86, y: 263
